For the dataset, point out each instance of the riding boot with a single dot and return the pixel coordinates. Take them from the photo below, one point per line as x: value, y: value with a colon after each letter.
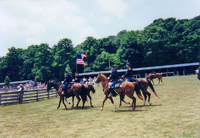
x: 112, y: 92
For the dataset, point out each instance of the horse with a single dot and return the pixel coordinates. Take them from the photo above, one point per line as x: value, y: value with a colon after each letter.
x: 153, y: 76
x: 143, y: 86
x: 128, y: 89
x: 87, y: 89
x: 75, y: 90
x: 56, y: 86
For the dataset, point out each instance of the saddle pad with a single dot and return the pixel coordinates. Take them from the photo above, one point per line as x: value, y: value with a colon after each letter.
x: 118, y: 84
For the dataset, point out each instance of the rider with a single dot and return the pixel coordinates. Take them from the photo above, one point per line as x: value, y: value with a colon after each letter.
x: 77, y: 77
x: 66, y: 81
x: 129, y: 73
x: 114, y: 79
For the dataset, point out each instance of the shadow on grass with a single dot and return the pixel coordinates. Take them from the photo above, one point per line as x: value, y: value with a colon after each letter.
x: 148, y: 105
x: 129, y: 110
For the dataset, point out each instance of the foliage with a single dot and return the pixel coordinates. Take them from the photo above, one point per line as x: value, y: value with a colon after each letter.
x: 163, y: 42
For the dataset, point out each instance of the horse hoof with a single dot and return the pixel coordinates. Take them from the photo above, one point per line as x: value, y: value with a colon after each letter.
x: 101, y: 109
x: 91, y: 105
x: 69, y: 103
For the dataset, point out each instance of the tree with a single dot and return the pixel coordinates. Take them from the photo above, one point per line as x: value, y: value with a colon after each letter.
x: 7, y: 81
x: 63, y: 54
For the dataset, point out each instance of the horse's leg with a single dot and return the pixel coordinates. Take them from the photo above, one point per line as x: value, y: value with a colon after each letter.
x: 111, y: 99
x: 152, y: 81
x: 122, y: 99
x: 133, y: 105
x: 78, y: 101
x: 145, y: 97
x: 66, y: 100
x: 149, y: 96
x: 90, y: 100
x: 106, y: 97
x: 63, y: 101
x: 59, y: 103
x: 72, y: 101
x: 158, y: 80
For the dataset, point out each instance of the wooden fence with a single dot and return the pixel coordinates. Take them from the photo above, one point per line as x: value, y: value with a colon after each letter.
x: 25, y: 96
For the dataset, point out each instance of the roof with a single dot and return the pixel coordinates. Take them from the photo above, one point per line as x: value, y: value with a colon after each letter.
x: 145, y: 68
x: 17, y: 82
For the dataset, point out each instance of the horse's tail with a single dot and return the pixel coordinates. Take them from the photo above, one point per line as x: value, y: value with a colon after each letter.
x: 83, y: 93
x: 152, y: 88
x: 137, y: 90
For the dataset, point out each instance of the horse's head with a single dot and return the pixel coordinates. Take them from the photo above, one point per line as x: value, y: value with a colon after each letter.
x: 48, y: 86
x: 91, y: 87
x: 98, y: 78
x: 52, y: 84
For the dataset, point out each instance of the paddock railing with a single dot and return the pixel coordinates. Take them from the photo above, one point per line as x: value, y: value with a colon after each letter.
x: 18, y: 97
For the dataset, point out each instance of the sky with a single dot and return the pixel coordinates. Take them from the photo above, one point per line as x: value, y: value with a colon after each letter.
x: 27, y: 22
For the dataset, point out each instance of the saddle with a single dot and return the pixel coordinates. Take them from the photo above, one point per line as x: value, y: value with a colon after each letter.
x: 119, y: 84
x: 67, y: 86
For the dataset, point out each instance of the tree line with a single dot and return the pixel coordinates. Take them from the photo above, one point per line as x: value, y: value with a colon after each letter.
x: 163, y: 42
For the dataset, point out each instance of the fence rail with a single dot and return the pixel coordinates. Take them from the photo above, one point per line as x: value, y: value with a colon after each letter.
x: 16, y: 97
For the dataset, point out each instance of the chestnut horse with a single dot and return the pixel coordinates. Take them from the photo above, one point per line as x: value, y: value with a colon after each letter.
x: 153, y: 76
x: 75, y: 90
x: 143, y: 86
x: 127, y: 89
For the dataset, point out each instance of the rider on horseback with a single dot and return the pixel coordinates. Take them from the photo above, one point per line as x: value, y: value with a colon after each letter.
x: 67, y: 80
x: 129, y: 74
x: 77, y: 77
x: 114, y: 79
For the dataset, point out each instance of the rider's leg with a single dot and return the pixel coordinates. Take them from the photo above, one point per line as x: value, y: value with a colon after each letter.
x: 112, y: 92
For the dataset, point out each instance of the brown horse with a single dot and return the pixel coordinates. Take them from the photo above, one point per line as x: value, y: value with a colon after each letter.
x: 143, y: 86
x: 56, y: 86
x: 75, y: 90
x: 127, y: 89
x: 153, y: 76
x: 87, y: 89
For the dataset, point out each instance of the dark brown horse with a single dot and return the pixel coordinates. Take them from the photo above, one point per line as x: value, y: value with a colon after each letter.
x: 75, y: 90
x: 127, y: 89
x: 143, y: 86
x: 153, y: 76
x: 87, y: 89
x: 56, y: 86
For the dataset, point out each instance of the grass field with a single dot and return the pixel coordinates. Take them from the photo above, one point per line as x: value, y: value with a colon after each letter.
x: 175, y: 114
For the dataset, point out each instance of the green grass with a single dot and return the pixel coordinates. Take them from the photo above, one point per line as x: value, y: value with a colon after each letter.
x: 175, y: 114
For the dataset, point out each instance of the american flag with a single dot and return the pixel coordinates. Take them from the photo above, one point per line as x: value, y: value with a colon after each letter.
x: 79, y: 59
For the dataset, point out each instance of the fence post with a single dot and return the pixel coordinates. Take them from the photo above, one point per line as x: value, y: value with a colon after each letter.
x: 20, y: 97
x: 37, y: 94
x: 48, y: 94
x: 0, y: 99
